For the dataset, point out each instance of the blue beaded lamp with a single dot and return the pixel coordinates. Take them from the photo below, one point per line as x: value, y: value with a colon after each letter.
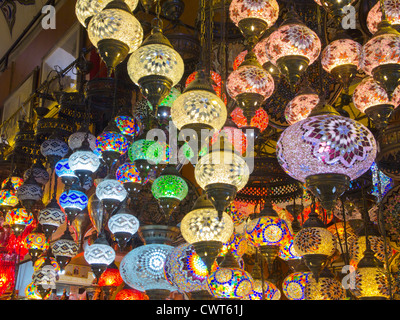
x: 64, y: 172
x: 73, y: 201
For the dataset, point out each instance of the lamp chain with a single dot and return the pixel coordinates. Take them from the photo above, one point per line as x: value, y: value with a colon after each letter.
x: 202, y: 33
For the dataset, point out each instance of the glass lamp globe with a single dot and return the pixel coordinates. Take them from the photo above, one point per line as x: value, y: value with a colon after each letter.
x: 287, y: 251
x: 51, y: 217
x: 342, y: 59
x: 326, y: 288
x: 45, y: 280
x: 115, y: 32
x: 294, y: 285
x: 86, y: 9
x: 127, y: 123
x: 169, y: 189
x: 198, y: 107
x: 65, y: 173
x: 185, y: 269
x: 110, y: 280
x: 111, y: 192
x: 357, y: 246
x: 164, y: 109
x: 326, y: 151
x: 216, y: 81
x: 111, y: 143
x: 73, y: 201
x: 258, y: 123
x: 39, y: 173
x: 253, y: 18
x: 315, y: 244
x: 123, y: 225
x: 229, y: 281
x: 381, y: 57
x: 46, y: 260
x: 250, y: 85
x: 99, y: 255
x: 15, y: 181
x: 301, y: 105
x: 64, y: 249
x: 76, y: 139
x: 8, y: 197
x: 54, y: 149
x: 234, y: 135
x: 203, y: 228
x: 391, y: 11
x: 129, y: 176
x: 292, y: 48
x: 371, y: 282
x: 221, y: 173
x: 143, y: 269
x: 83, y: 162
x: 146, y: 155
x: 267, y: 231
x: 237, y: 245
x: 270, y: 290
x: 370, y: 98
x: 29, y: 193
x: 36, y: 244
x: 155, y: 67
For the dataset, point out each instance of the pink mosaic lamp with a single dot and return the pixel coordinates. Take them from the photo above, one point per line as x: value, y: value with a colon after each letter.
x: 381, y: 56
x: 392, y: 10
x: 370, y: 98
x: 293, y: 47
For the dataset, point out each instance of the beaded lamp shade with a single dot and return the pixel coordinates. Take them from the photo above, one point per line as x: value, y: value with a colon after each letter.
x: 63, y: 170
x: 112, y: 141
x: 99, y: 254
x: 43, y: 260
x: 36, y: 241
x: 75, y: 199
x: 129, y: 126
x: 38, y: 172
x: 18, y: 216
x: 75, y: 140
x: 111, y: 189
x: 314, y: 240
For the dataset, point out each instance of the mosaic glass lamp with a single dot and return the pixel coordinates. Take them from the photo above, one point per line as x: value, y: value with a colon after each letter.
x: 185, y: 269
x: 127, y: 123
x: 326, y: 151
x: 203, y: 228
x: 109, y: 280
x: 129, y: 176
x: 221, y: 174
x: 51, y: 218
x: 315, y: 244
x: 169, y: 189
x: 164, y: 109
x: 15, y: 181
x: 143, y: 269
x: 99, y: 255
x: 115, y: 32
x: 229, y: 281
x: 381, y: 57
x: 111, y: 143
x: 29, y: 193
x: 39, y: 173
x: 270, y: 292
x: 83, y: 162
x: 36, y: 243
x: 18, y: 219
x: 294, y: 285
x: 392, y: 15
x: 258, y: 123
x: 76, y: 139
x: 86, y: 9
x: 326, y: 288
x: 65, y: 173
x: 111, y: 193
x: 54, y: 149
x: 198, y: 107
x: 301, y: 105
x: 267, y: 231
x: 253, y: 18
x: 155, y: 67
x: 8, y: 196
x: 370, y: 98
x: 293, y: 47
x: 73, y: 201
x: 45, y: 280
x: 131, y: 294
x: 123, y: 225
x: 64, y: 249
x: 342, y: 58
